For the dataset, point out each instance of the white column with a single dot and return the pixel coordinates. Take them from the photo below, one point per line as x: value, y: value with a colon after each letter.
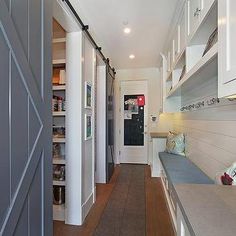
x: 101, y: 125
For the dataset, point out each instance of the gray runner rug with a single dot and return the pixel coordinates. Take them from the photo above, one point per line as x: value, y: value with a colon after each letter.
x: 125, y: 213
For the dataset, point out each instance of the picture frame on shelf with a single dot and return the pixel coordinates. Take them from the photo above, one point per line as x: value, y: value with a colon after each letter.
x: 88, y: 95
x: 88, y: 127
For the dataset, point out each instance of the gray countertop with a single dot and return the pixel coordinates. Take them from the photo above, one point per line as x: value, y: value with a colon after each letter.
x: 210, y: 209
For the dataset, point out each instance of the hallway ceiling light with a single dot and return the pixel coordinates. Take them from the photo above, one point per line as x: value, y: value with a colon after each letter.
x: 127, y: 30
x: 132, y: 56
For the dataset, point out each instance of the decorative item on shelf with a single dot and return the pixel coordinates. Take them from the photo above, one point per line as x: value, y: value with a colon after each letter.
x: 88, y: 95
x: 228, y: 177
x: 54, y: 103
x: 59, y: 131
x: 88, y: 127
x: 193, y: 106
x: 183, y: 72
x: 58, y: 76
x: 58, y: 103
x: 56, y: 149
x: 213, y: 101
x: 211, y: 41
x: 58, y: 195
x: 59, y: 172
x: 198, y: 105
x: 62, y: 77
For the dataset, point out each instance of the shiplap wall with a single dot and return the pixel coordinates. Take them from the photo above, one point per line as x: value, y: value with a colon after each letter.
x: 210, y: 136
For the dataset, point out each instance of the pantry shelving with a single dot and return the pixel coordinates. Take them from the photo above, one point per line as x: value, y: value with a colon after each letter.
x: 59, y: 113
x: 59, y: 160
x: 59, y: 40
x: 59, y: 61
x: 59, y: 122
x: 59, y: 183
x: 59, y: 212
x: 58, y: 87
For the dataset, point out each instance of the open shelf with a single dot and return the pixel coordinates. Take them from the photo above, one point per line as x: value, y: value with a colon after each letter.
x: 58, y: 87
x: 179, y: 58
x: 59, y: 212
x: 59, y: 140
x: 59, y: 160
x: 59, y: 40
x: 59, y: 183
x: 197, y: 70
x: 59, y: 61
x: 59, y: 113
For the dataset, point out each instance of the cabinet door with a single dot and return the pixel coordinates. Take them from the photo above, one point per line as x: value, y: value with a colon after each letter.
x: 227, y: 48
x: 194, y: 9
x: 176, y: 44
x: 182, y: 228
x: 205, y: 7
x: 182, y: 31
x: 170, y: 56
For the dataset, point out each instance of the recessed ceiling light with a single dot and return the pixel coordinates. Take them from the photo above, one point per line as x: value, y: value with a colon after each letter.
x: 127, y: 30
x: 132, y: 56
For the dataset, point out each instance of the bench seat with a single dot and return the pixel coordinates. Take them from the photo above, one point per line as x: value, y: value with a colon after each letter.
x: 180, y: 170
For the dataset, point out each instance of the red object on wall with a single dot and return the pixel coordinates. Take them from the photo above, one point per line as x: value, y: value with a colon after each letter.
x: 141, y: 100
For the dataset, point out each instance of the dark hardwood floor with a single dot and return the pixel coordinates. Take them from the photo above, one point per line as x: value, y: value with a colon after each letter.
x: 158, y: 221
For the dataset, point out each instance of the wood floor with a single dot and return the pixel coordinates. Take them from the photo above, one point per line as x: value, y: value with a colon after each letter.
x: 157, y: 216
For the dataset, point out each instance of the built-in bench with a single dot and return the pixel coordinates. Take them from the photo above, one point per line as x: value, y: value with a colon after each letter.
x: 175, y: 170
x: 180, y: 170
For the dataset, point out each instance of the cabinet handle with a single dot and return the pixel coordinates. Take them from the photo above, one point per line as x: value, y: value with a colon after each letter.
x: 197, y: 12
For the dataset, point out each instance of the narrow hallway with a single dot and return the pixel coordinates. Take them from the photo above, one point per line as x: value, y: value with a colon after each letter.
x: 132, y: 203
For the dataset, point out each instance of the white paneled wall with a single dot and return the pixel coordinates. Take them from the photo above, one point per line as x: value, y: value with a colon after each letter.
x: 210, y: 137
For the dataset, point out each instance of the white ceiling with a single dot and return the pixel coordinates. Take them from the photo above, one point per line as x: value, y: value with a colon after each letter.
x: 149, y: 21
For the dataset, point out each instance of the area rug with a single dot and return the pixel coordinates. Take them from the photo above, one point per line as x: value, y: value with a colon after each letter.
x: 125, y: 213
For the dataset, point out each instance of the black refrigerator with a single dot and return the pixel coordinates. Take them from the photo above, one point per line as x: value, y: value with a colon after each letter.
x: 110, y: 77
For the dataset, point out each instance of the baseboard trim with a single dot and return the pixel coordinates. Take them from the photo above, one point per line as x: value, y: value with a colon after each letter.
x: 87, y: 205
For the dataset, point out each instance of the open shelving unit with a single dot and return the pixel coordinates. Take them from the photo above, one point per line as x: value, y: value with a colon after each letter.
x: 192, y: 66
x: 58, y: 114
x: 197, y: 71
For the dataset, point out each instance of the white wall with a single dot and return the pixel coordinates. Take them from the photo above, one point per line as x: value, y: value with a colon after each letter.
x: 73, y: 128
x: 152, y: 76
x: 80, y: 186
x: 100, y: 174
x: 210, y: 136
x: 88, y: 175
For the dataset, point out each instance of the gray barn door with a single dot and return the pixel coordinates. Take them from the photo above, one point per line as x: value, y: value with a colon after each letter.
x: 25, y: 120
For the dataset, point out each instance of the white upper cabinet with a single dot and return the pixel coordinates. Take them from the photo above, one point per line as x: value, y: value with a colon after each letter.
x: 182, y: 31
x: 176, y: 44
x: 227, y: 48
x: 194, y: 12
x: 205, y: 5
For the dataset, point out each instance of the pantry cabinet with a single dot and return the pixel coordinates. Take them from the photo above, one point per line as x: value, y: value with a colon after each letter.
x: 227, y: 48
